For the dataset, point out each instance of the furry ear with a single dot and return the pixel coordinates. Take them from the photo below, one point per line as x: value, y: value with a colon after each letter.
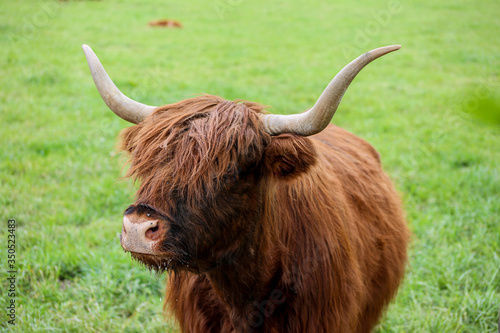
x: 127, y: 136
x: 289, y: 155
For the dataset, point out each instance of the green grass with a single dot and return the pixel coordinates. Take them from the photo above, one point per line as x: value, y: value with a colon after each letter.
x: 60, y: 178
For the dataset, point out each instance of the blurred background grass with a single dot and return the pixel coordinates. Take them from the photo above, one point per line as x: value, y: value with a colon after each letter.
x: 430, y: 109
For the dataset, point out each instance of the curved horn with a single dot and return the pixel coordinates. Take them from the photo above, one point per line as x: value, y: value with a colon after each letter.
x: 316, y: 119
x: 120, y: 104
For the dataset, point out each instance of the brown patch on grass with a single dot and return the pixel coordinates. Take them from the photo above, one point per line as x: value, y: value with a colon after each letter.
x: 166, y: 23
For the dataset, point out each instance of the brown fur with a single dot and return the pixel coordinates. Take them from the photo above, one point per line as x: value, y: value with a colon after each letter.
x: 267, y: 234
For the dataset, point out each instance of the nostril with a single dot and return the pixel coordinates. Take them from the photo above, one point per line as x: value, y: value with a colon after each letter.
x: 152, y: 233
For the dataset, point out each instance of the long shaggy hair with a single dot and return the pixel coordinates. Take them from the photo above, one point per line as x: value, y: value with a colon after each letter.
x: 191, y: 147
x: 268, y: 234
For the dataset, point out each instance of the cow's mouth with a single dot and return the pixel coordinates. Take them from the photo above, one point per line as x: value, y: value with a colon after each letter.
x: 166, y: 261
x: 154, y: 262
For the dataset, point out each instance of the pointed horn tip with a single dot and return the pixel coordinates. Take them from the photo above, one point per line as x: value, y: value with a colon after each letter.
x: 88, y: 51
x: 393, y: 47
x: 383, y: 50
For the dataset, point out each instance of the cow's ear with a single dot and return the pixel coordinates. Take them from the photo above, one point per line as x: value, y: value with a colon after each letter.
x: 127, y: 135
x: 289, y: 155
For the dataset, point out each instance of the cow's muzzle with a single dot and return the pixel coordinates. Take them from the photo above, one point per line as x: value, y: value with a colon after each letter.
x: 140, y: 235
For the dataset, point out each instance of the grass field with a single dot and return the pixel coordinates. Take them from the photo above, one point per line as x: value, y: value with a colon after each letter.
x: 60, y: 174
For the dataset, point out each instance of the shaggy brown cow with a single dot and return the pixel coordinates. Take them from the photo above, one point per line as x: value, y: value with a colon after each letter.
x: 267, y: 223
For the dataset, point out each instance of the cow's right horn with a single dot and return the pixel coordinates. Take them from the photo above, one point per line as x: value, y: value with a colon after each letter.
x: 316, y: 119
x: 120, y: 104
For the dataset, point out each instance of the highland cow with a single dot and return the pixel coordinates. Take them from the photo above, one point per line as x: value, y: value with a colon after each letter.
x: 266, y: 223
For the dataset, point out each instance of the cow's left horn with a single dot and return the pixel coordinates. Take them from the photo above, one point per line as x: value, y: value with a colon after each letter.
x: 316, y: 119
x: 120, y: 104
